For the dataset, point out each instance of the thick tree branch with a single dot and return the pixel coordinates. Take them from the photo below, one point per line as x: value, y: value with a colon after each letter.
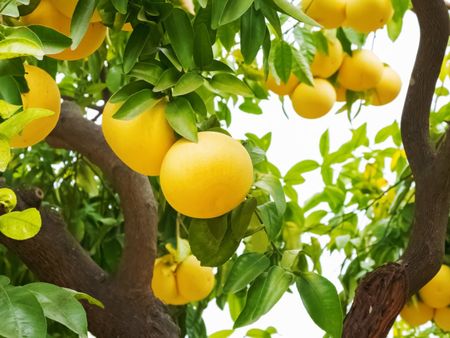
x: 137, y: 201
x: 55, y: 257
x: 382, y: 293
x: 433, y: 21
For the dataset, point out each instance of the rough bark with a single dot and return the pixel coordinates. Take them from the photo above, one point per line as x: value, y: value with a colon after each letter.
x: 382, y: 293
x: 55, y: 256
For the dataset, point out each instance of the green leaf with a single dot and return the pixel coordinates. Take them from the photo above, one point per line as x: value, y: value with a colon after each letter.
x: 271, y: 219
x: 294, y: 12
x: 282, y: 57
x: 5, y: 153
x: 21, y: 314
x: 324, y: 146
x: 245, y: 269
x: 15, y: 124
x: 273, y: 186
x: 136, y: 104
x: 181, y: 117
x: 85, y: 179
x: 135, y: 45
x: 52, y: 41
x: 294, y: 175
x: 321, y: 301
x: 213, y: 241
x: 187, y: 83
x: 7, y: 109
x: 203, y: 53
x: 14, y: 47
x: 61, y: 306
x: 253, y: 31
x: 181, y: 35
x: 147, y: 71
x: 301, y: 68
x: 272, y: 16
x: 128, y: 90
x: 230, y: 84
x: 120, y: 5
x: 386, y: 132
x: 80, y: 20
x: 21, y: 225
x: 222, y: 334
x: 336, y: 197
x: 217, y: 9
x: 265, y: 292
x: 234, y: 9
x: 168, y: 79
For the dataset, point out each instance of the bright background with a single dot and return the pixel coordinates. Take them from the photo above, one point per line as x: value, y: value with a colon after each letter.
x: 295, y: 139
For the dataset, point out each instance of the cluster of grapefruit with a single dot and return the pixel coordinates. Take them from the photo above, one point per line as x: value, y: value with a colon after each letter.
x: 364, y: 16
x: 334, y: 73
x: 178, y: 283
x: 432, y: 302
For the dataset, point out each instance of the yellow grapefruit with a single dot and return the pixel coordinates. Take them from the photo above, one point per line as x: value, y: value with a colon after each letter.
x: 416, y: 313
x: 47, y: 15
x: 142, y: 142
x: 208, y: 178
x: 282, y: 88
x: 326, y: 64
x: 329, y: 13
x: 67, y: 7
x: 195, y: 282
x: 387, y: 89
x: 164, y: 283
x: 436, y: 293
x: 361, y: 71
x: 368, y: 15
x: 341, y: 93
x: 313, y: 102
x: 43, y: 93
x: 442, y: 318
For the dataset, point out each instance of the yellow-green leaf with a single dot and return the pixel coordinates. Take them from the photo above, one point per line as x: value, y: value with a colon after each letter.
x: 8, y: 199
x: 21, y: 225
x: 7, y: 109
x: 5, y: 153
x: 15, y: 124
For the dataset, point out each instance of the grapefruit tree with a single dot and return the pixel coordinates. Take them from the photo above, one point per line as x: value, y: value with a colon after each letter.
x: 121, y: 180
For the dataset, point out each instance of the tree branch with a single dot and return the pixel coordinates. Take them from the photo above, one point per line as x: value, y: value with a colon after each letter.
x: 137, y: 201
x: 382, y: 293
x: 433, y: 21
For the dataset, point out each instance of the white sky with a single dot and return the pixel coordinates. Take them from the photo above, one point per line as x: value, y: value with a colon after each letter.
x: 296, y: 139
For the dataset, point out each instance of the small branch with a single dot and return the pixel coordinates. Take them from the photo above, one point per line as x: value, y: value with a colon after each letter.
x: 137, y: 201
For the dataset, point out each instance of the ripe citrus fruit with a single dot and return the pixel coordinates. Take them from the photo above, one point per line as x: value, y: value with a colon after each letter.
x: 442, y: 318
x: 436, y: 293
x: 208, y: 178
x: 361, y: 71
x: 195, y: 282
x: 142, y: 142
x: 416, y: 313
x: 313, y: 102
x: 47, y: 15
x: 387, y: 89
x: 324, y: 65
x: 329, y: 13
x: 341, y: 93
x: 164, y: 283
x: 43, y: 93
x: 282, y: 88
x: 67, y: 7
x: 368, y: 15
x: 127, y: 27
